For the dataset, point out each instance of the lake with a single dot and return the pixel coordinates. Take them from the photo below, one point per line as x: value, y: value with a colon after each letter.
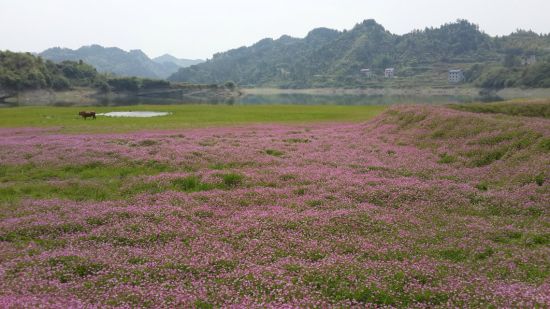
x: 302, y: 97
x: 281, y: 98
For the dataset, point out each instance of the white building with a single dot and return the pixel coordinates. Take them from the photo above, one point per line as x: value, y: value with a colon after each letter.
x: 367, y: 72
x: 456, y: 76
x: 389, y: 73
x: 529, y: 60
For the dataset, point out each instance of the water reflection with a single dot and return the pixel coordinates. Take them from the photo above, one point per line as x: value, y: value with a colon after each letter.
x: 284, y: 98
x: 138, y: 114
x: 308, y: 99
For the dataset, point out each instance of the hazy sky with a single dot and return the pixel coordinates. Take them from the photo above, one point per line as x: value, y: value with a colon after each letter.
x: 199, y: 28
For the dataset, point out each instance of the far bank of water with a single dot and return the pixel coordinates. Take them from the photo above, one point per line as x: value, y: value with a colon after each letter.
x: 303, y: 97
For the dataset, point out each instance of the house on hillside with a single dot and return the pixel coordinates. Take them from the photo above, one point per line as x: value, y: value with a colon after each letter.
x: 528, y: 60
x: 389, y: 73
x: 456, y: 76
x: 367, y: 72
x: 283, y: 72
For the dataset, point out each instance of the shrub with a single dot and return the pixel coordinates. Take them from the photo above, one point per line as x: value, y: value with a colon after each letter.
x: 446, y: 159
x: 482, y: 186
x: 203, y: 214
x: 231, y: 180
x: 147, y: 143
x: 297, y: 140
x: 275, y: 153
x: 314, y: 203
x: 488, y: 252
x: 455, y: 255
x: 230, y: 85
x: 73, y: 266
x: 539, y: 179
x: 60, y: 83
x: 544, y: 144
x: 190, y: 184
x: 489, y: 157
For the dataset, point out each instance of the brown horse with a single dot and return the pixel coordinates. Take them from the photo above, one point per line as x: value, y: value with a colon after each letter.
x: 87, y: 114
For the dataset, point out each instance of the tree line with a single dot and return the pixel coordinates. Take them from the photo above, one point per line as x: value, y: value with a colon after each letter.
x: 25, y: 71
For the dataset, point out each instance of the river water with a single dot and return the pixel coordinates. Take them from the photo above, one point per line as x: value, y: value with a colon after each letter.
x: 283, y: 98
x: 310, y: 99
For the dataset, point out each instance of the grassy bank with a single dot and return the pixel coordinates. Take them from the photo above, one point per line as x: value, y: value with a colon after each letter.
x: 183, y: 116
x: 531, y: 108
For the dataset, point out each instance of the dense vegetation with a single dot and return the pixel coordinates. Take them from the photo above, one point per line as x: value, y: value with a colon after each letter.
x: 117, y: 61
x: 536, y: 108
x: 493, y: 76
x: 24, y: 71
x: 328, y: 57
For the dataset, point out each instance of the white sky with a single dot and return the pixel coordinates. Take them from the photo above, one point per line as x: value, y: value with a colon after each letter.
x: 200, y: 28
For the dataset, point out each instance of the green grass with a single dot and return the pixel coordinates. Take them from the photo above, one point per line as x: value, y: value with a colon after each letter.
x: 190, y: 184
x: 73, y: 267
x: 93, y: 181
x: 231, y: 180
x: 66, y: 119
x: 93, y: 170
x: 336, y: 286
x: 446, y: 159
x: 274, y: 152
x: 97, y: 181
x: 535, y: 108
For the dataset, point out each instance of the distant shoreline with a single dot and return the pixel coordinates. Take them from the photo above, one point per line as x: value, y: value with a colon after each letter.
x: 90, y: 97
x: 85, y: 96
x: 507, y: 93
x: 363, y: 91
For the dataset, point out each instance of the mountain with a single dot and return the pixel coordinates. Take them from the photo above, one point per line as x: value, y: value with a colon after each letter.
x: 25, y: 71
x: 182, y: 63
x: 331, y: 58
x: 25, y: 77
x: 113, y: 60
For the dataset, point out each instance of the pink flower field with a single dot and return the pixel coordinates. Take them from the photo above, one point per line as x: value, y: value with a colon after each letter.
x: 421, y: 207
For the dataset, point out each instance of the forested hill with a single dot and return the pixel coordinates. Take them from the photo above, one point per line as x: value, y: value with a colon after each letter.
x: 20, y: 72
x: 24, y: 71
x: 330, y: 58
x: 115, y: 60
